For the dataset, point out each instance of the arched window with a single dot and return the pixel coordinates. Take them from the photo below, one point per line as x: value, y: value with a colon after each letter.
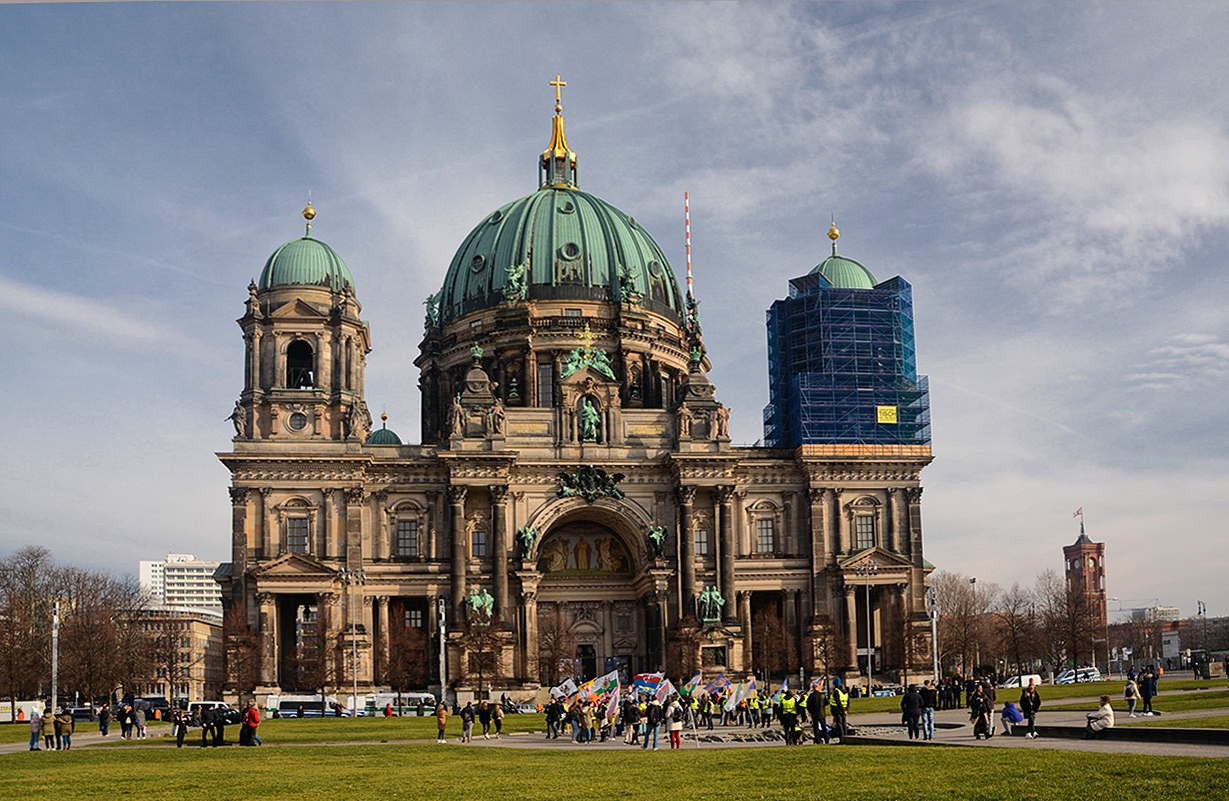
x: 300, y: 365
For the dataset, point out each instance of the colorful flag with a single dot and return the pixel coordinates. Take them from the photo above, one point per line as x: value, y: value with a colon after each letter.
x: 598, y: 687
x: 664, y: 690
x: 691, y: 686
x: 716, y: 684
x: 735, y: 697
x: 817, y: 683
x: 1078, y: 512
x: 612, y: 705
x: 648, y: 681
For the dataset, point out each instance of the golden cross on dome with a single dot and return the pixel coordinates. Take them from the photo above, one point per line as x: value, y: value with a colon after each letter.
x: 587, y: 337
x: 558, y: 83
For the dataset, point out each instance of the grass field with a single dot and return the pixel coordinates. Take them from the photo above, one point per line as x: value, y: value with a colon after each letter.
x: 432, y: 771
x: 1209, y: 722
x: 1170, y: 702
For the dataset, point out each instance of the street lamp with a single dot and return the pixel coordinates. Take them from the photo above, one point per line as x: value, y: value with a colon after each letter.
x: 350, y: 579
x: 977, y: 643
x: 868, y: 570
x: 933, y: 601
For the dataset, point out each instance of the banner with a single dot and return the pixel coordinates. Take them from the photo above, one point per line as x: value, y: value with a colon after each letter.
x: 565, y: 690
x: 664, y: 690
x: 648, y: 682
x: 692, y: 685
x: 600, y: 686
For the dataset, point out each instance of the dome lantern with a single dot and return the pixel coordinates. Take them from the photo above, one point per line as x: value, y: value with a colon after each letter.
x: 557, y: 166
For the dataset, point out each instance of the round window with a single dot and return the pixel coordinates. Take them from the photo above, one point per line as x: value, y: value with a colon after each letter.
x: 571, y: 251
x: 477, y: 263
x: 566, y: 207
x: 298, y: 421
x: 655, y: 268
x: 496, y: 217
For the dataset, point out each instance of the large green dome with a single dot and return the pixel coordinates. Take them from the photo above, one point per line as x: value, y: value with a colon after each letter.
x: 845, y: 273
x: 571, y: 244
x: 306, y: 261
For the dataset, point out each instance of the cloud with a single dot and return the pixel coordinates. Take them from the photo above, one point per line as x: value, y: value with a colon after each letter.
x: 111, y: 326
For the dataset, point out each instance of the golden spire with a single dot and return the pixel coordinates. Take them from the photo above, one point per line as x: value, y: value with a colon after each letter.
x: 558, y: 163
x: 309, y: 213
x: 834, y: 234
x: 588, y: 337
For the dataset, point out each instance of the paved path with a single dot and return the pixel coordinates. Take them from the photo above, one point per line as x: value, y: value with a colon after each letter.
x: 958, y: 733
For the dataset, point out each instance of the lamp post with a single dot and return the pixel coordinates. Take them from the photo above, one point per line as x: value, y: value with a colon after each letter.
x: 442, y: 611
x: 933, y: 602
x: 977, y: 639
x: 350, y: 579
x: 868, y: 570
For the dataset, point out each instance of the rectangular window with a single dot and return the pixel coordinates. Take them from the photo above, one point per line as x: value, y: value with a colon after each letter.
x: 572, y: 313
x: 413, y: 618
x: 546, y: 385
x: 296, y: 534
x: 701, y: 542
x: 479, y: 545
x: 407, y: 538
x: 765, y: 535
x: 864, y: 532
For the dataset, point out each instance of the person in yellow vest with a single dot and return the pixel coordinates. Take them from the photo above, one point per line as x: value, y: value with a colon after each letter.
x: 753, y: 709
x: 789, y: 716
x: 838, y: 704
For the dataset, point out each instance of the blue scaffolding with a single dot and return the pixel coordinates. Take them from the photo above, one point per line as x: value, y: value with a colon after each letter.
x: 842, y: 366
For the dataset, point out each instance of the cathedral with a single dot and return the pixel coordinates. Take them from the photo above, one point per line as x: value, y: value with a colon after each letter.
x: 576, y: 485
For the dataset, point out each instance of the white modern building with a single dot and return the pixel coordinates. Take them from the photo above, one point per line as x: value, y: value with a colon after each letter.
x: 182, y: 581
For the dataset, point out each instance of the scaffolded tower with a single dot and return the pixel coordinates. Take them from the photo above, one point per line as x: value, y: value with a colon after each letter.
x: 842, y: 362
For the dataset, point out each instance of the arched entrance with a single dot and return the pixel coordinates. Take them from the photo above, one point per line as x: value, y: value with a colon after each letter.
x: 589, y: 601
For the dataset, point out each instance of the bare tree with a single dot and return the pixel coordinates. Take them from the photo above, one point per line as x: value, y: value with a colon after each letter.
x: 825, y: 645
x: 408, y: 654
x: 25, y: 623
x: 241, y: 650
x: 482, y: 644
x: 963, y: 608
x: 1015, y: 627
x: 771, y: 644
x: 683, y: 654
x: 556, y: 648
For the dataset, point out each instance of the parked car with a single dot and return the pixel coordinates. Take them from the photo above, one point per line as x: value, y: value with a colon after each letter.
x: 81, y: 714
x: 1080, y: 676
x: 1019, y: 682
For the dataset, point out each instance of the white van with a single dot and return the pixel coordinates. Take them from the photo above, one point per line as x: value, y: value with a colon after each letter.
x: 313, y: 706
x: 402, y: 703
x: 1084, y: 674
x: 1020, y: 682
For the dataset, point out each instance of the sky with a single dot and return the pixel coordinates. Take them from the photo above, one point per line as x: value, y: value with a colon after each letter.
x: 1052, y: 179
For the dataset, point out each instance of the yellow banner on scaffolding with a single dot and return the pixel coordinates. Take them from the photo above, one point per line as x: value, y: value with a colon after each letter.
x: 886, y: 414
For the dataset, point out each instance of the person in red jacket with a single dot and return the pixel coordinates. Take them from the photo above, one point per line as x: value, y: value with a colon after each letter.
x: 251, y: 719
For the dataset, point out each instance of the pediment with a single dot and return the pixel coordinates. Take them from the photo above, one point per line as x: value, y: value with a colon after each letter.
x: 884, y: 560
x: 586, y: 377
x: 294, y: 565
x: 298, y: 308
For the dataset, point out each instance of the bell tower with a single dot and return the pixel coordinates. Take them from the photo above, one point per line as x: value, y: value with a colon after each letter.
x: 305, y: 348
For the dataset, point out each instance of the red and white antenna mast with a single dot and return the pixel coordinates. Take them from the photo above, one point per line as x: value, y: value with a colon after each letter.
x: 687, y: 236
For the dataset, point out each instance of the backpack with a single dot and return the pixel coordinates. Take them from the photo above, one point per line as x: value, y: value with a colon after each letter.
x: 677, y: 716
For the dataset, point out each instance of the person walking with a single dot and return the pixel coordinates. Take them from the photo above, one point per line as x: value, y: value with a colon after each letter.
x: 36, y: 728
x: 1147, y: 688
x: 441, y: 720
x: 930, y: 700
x: 484, y: 717
x: 209, y: 716
x: 653, y: 716
x: 911, y: 709
x: 1030, y: 702
x: 815, y: 709
x: 104, y: 719
x: 251, y: 720
x: 140, y: 723
x: 467, y: 722
x: 838, y: 705
x: 1131, y: 691
x: 179, y: 727
x: 675, y: 715
x: 497, y: 717
x: 980, y: 713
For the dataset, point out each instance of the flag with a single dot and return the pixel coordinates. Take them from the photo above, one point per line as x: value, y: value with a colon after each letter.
x: 648, y: 681
x: 664, y: 690
x: 735, y: 697
x: 817, y: 683
x: 784, y: 686
x: 598, y: 687
x: 716, y: 684
x: 750, y: 690
x: 612, y: 705
x: 1078, y: 513
x: 565, y: 690
x: 690, y: 687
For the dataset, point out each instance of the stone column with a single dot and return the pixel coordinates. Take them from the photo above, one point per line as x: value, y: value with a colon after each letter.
x: 268, y: 638
x: 381, y: 539
x: 687, y: 550
x: 239, y: 531
x: 324, y: 363
x: 725, y: 495
x: 499, y: 555
x: 744, y: 617
x: 433, y: 516
x: 529, y: 640
x: 354, y: 525
x: 279, y: 363
x: 456, y: 501
x: 851, y: 622
x: 819, y: 550
x: 381, y: 662
x: 332, y: 542
x: 791, y: 617
x: 268, y: 532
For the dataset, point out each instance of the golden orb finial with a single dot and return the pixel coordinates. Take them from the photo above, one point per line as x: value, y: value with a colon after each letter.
x: 834, y: 233
x: 309, y: 213
x: 384, y: 416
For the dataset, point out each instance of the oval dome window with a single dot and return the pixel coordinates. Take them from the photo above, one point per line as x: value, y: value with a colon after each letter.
x: 571, y: 251
x: 496, y: 217
x: 477, y: 263
x: 566, y: 207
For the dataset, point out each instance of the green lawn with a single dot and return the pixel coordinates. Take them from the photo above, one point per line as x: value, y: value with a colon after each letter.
x: 1169, y: 702
x: 1049, y: 693
x: 1209, y: 722
x: 430, y: 771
